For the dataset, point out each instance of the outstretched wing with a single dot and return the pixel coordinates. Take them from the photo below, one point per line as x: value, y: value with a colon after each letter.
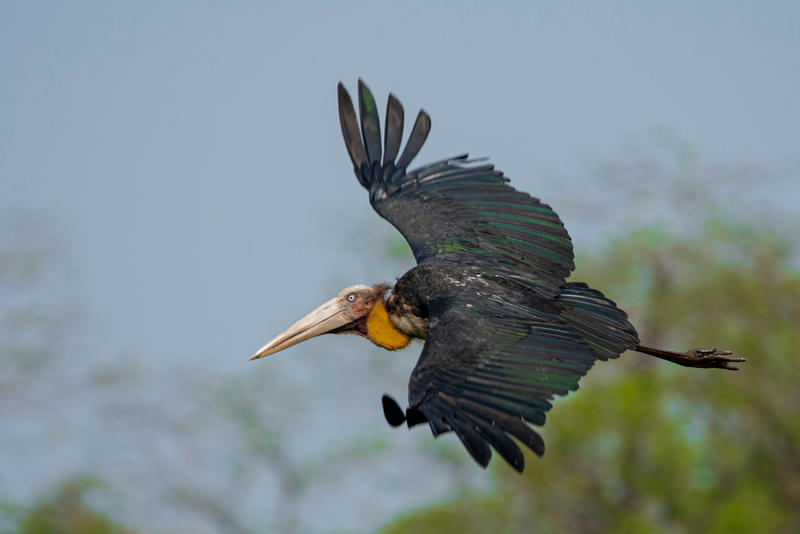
x: 506, y: 333
x: 489, y: 367
x: 455, y: 206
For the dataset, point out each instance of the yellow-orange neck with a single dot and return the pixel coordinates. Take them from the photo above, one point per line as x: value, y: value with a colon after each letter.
x: 382, y: 332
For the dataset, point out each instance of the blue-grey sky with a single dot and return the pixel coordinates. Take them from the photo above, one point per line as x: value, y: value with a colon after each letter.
x: 190, y: 154
x: 192, y: 149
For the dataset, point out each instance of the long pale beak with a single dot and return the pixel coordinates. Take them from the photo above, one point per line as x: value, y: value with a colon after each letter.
x: 327, y: 317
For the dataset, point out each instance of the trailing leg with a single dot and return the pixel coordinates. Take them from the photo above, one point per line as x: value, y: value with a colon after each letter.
x: 705, y: 358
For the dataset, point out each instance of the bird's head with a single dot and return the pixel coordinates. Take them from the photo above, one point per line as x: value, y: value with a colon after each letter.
x: 355, y: 310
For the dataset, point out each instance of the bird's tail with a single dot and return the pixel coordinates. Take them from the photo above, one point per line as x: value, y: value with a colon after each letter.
x: 604, y: 326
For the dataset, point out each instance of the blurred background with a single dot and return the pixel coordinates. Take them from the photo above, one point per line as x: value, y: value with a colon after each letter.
x: 174, y: 191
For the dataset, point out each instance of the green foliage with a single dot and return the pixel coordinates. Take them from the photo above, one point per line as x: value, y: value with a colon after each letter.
x: 647, y: 446
x: 64, y: 513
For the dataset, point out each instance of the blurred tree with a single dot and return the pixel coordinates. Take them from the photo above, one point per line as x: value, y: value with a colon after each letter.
x: 209, y: 448
x: 647, y: 446
x: 39, y: 320
x: 65, y: 513
x: 658, y: 177
x: 258, y: 439
x: 38, y: 312
x: 136, y: 426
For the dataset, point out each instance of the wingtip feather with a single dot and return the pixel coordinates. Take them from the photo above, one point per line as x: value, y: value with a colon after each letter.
x: 350, y: 130
x: 419, y: 133
x: 393, y: 136
x: 370, y: 123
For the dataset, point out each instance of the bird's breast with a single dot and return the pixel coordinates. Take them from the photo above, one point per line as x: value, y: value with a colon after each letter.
x: 410, y: 324
x: 406, y: 317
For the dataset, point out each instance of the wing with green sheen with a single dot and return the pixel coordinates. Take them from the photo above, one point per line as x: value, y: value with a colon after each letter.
x: 490, y: 367
x: 453, y: 207
x: 506, y: 332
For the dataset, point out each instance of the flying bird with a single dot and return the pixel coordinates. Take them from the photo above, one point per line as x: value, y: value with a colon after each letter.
x: 504, y: 331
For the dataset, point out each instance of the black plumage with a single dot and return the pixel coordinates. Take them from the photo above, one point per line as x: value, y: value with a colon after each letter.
x: 505, y: 331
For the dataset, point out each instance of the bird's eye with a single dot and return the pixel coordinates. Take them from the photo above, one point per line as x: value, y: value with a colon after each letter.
x: 351, y: 297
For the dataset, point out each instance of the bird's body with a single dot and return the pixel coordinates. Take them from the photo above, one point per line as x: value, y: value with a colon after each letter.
x: 504, y: 330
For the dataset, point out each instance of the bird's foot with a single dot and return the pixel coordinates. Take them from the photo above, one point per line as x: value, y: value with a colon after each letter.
x: 392, y: 412
x: 395, y: 415
x: 710, y: 358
